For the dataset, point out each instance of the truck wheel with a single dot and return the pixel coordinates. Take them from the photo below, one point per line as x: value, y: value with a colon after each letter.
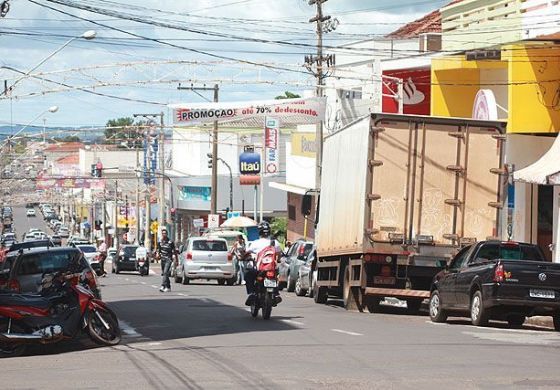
x: 352, y: 295
x: 556, y: 321
x: 413, y: 306
x: 515, y: 321
x: 437, y: 314
x: 373, y: 304
x: 479, y: 315
x: 320, y: 294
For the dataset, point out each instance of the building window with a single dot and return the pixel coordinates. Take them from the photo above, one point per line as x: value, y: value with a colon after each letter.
x: 292, y: 212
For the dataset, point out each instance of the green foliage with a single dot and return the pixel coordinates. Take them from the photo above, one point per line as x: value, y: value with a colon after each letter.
x: 68, y: 138
x: 121, y: 132
x: 279, y: 227
x: 287, y: 95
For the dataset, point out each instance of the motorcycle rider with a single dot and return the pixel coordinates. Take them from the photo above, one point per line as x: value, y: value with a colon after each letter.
x: 251, y: 272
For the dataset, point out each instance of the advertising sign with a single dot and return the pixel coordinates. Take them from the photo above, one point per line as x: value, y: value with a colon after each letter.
x: 122, y: 215
x: 289, y: 111
x: 416, y: 91
x: 195, y: 193
x: 303, y: 144
x: 198, y: 223
x: 271, y: 150
x: 249, y: 163
x: 95, y: 184
x: 213, y: 221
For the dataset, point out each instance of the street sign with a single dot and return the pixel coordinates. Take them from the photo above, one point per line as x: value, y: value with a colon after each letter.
x: 154, y: 227
x: 213, y: 220
x: 198, y: 222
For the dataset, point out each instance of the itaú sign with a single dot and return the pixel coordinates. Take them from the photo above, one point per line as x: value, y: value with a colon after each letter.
x: 250, y: 163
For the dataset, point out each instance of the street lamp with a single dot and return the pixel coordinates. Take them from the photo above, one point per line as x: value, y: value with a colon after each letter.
x: 88, y: 35
x: 230, y: 180
x: 51, y: 109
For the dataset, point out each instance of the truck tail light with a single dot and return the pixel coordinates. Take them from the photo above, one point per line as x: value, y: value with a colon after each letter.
x: 499, y: 273
x: 229, y: 257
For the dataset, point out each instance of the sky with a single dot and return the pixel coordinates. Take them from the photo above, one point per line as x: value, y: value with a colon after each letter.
x: 254, y: 49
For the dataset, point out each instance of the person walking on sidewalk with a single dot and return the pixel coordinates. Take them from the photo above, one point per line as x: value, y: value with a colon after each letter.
x: 102, y: 249
x: 239, y: 251
x: 166, y: 254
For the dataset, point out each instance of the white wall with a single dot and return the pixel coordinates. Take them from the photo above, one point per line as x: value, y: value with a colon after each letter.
x: 300, y: 171
x: 488, y: 80
x: 110, y: 159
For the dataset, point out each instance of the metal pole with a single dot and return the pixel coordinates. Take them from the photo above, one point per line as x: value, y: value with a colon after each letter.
x: 116, y: 214
x: 104, y: 217
x: 137, y: 194
x: 147, y: 241
x: 261, y: 200
x: 255, y: 205
x: 161, y: 217
x: 214, y: 195
x: 319, y: 127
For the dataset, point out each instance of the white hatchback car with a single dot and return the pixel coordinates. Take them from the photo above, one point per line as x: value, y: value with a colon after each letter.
x: 30, y: 212
x: 205, y: 258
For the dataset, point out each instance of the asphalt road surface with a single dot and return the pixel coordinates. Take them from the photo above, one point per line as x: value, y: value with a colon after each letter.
x: 201, y: 336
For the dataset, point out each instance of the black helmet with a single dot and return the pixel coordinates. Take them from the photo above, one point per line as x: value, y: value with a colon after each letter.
x: 264, y: 229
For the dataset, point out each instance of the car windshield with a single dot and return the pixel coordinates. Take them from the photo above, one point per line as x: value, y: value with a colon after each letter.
x: 130, y: 250
x: 87, y: 248
x: 209, y: 245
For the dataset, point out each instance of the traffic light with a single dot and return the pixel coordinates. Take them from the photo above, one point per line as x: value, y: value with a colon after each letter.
x: 209, y: 160
x: 93, y: 170
x: 173, y: 215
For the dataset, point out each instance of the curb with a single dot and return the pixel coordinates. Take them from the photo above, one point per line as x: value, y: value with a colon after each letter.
x: 544, y: 321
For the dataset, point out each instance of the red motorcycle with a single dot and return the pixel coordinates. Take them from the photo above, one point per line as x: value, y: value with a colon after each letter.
x: 64, y: 308
x: 266, y: 283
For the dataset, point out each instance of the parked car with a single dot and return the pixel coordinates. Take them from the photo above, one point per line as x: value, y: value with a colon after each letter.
x: 307, y: 275
x: 9, y: 239
x: 30, y: 213
x: 125, y: 260
x: 205, y: 258
x: 24, y: 272
x: 91, y: 254
x: 63, y: 232
x: 21, y: 246
x: 56, y: 239
x: 40, y: 235
x: 75, y: 240
x: 29, y: 237
x: 291, y: 261
x: 497, y: 280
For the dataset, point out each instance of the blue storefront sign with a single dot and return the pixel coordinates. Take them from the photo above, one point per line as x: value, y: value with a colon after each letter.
x: 196, y: 193
x: 250, y: 163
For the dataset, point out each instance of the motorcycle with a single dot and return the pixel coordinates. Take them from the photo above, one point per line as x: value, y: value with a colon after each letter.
x: 63, y: 309
x: 266, y: 283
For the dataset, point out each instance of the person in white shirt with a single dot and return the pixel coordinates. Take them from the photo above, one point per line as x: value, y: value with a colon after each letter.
x: 102, y: 249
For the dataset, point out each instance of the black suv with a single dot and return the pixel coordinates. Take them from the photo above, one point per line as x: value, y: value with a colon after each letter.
x: 23, y: 271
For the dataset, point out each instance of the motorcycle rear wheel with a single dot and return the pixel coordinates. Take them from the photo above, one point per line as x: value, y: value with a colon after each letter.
x: 267, y: 306
x: 97, y: 330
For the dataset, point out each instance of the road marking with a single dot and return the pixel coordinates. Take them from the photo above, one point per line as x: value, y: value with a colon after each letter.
x: 183, y: 295
x: 142, y: 282
x: 347, y: 332
x: 291, y: 322
x: 127, y: 279
x: 154, y: 286
x: 128, y: 330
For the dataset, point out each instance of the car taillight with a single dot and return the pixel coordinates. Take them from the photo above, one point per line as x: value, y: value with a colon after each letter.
x: 14, y: 285
x: 270, y: 274
x: 229, y: 257
x: 189, y: 256
x: 499, y: 273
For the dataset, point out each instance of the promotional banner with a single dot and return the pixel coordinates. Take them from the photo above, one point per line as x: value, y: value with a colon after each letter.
x: 290, y: 112
x: 94, y: 184
x: 416, y: 91
x: 271, y: 151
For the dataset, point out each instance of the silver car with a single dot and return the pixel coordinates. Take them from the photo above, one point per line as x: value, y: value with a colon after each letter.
x: 307, y: 276
x: 205, y: 258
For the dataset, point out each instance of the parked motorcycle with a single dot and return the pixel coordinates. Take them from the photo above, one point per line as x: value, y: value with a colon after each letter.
x: 266, y: 283
x: 64, y: 308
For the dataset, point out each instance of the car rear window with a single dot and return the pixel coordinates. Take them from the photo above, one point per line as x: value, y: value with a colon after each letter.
x: 130, y: 250
x: 210, y: 246
x: 87, y: 248
x: 39, y: 263
x: 511, y: 252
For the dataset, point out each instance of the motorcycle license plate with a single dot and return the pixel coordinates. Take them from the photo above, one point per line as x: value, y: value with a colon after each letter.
x: 548, y: 294
x: 270, y: 283
x: 383, y: 280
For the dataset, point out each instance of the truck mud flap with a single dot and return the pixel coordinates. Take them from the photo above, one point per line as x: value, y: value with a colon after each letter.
x: 396, y: 293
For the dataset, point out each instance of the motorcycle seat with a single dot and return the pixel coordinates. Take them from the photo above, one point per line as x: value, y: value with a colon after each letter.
x: 24, y: 300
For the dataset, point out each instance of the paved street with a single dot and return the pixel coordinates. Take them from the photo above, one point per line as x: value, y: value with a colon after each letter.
x: 201, y: 336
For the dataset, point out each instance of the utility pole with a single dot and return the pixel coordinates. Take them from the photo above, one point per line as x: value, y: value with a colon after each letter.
x: 319, y: 19
x: 137, y: 193
x: 162, y: 219
x: 214, y: 185
x: 116, y: 214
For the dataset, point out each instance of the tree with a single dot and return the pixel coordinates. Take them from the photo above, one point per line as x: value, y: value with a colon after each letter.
x: 279, y: 227
x: 287, y: 95
x: 121, y: 132
x: 68, y: 138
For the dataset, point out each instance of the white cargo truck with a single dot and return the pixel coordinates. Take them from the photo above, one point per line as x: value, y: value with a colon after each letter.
x: 399, y: 195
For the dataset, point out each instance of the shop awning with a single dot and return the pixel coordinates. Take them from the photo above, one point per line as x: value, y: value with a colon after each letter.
x: 545, y: 170
x: 289, y: 188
